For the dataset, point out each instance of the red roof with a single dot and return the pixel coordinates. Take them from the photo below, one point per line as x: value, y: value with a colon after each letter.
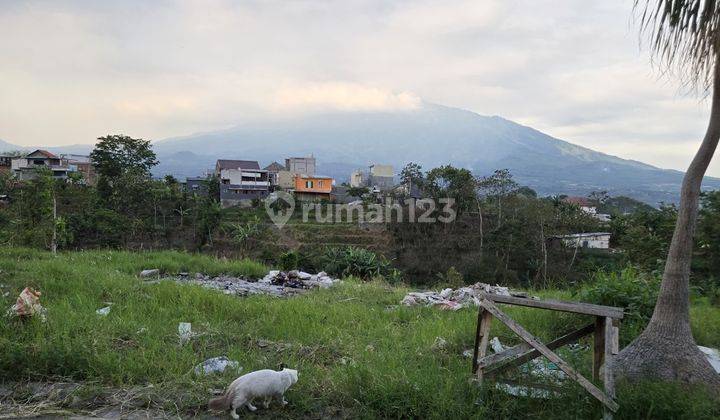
x: 44, y: 153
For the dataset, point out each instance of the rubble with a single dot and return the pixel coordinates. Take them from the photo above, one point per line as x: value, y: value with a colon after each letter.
x: 185, y: 332
x: 150, y: 273
x: 217, y: 365
x: 449, y: 299
x: 103, y: 311
x: 713, y: 356
x: 28, y: 305
x: 275, y: 283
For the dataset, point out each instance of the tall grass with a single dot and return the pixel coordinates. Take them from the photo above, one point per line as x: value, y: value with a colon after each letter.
x: 359, y: 354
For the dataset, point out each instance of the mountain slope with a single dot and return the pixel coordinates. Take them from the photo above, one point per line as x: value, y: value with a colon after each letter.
x: 432, y: 136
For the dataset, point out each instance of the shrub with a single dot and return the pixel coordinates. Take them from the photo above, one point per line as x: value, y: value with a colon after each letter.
x: 289, y: 260
x: 353, y: 261
x: 630, y: 289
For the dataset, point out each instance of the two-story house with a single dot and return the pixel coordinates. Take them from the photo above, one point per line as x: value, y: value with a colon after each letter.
x: 313, y: 188
x: 26, y: 167
x: 241, y: 181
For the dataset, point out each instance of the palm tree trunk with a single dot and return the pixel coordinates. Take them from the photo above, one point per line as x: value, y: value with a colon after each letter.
x: 666, y: 348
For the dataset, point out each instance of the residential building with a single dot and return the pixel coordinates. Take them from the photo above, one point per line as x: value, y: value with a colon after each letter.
x: 241, y: 181
x: 82, y: 164
x: 273, y: 170
x: 596, y: 240
x: 25, y: 168
x: 382, y: 177
x: 196, y: 185
x: 313, y: 188
x: 301, y: 165
x: 358, y: 179
x: 588, y: 207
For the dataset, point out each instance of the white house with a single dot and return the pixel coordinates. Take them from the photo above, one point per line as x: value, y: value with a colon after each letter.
x: 596, y: 240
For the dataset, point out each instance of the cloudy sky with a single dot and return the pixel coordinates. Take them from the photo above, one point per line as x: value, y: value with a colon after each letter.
x: 73, y: 70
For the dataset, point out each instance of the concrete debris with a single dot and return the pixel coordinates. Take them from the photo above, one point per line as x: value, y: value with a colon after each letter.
x: 275, y: 283
x: 217, y: 365
x: 449, y: 299
x: 713, y: 356
x: 185, y: 332
x: 103, y: 311
x: 28, y: 305
x: 150, y: 273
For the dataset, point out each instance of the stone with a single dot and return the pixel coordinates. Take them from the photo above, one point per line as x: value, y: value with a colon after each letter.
x: 217, y: 365
x: 150, y: 273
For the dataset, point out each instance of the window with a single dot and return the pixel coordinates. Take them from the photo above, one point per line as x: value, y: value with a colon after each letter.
x: 308, y: 184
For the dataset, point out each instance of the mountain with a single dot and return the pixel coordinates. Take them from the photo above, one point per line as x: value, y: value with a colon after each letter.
x: 431, y: 135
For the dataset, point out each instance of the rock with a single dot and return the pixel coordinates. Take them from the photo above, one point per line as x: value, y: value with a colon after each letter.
x: 184, y: 332
x: 439, y: 344
x: 199, y: 276
x: 304, y: 276
x: 150, y: 273
x: 293, y: 274
x: 713, y: 356
x: 217, y: 365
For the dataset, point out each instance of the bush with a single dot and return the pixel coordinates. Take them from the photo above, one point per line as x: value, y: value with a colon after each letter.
x: 289, y: 260
x: 630, y: 289
x: 353, y: 261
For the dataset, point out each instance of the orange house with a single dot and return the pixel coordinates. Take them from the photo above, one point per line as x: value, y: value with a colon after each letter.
x: 313, y: 188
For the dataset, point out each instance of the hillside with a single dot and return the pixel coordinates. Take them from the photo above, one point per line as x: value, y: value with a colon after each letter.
x: 431, y: 135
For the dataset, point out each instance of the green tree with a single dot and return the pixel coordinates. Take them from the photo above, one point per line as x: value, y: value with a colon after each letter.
x: 114, y: 156
x: 450, y: 182
x: 358, y: 192
x: 685, y: 36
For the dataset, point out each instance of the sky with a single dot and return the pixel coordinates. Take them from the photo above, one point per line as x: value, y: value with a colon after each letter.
x: 71, y: 71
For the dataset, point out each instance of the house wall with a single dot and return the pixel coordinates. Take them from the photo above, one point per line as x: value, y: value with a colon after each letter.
x: 357, y: 179
x: 245, y: 177
x: 382, y: 171
x: 285, y: 179
x: 306, y: 184
x: 305, y: 165
x: 593, y: 241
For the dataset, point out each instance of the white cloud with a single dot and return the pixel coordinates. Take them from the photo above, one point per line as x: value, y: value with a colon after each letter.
x: 343, y: 96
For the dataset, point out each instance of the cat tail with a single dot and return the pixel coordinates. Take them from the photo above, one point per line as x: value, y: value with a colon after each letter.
x: 220, y: 403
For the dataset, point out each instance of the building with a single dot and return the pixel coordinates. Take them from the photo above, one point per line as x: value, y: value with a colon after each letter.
x: 83, y: 165
x: 197, y: 186
x: 25, y: 168
x: 588, y: 207
x: 241, y: 181
x: 382, y: 177
x: 313, y: 188
x: 358, y: 179
x: 273, y: 170
x: 301, y: 165
x: 596, y: 240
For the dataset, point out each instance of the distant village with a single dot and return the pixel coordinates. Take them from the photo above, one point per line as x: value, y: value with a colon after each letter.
x: 242, y: 181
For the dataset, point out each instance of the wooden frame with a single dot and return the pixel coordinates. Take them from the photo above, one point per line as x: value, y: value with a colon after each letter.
x: 605, y: 332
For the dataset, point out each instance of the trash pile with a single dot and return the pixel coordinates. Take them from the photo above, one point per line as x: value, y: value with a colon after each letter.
x: 275, y: 283
x: 449, y: 299
x: 217, y: 365
x: 28, y: 305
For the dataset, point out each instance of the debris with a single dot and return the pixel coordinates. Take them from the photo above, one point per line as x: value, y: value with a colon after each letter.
x: 28, y: 305
x: 103, y: 311
x: 275, y: 283
x: 453, y: 300
x: 217, y: 365
x: 713, y: 356
x: 439, y: 344
x: 150, y: 273
x: 185, y: 332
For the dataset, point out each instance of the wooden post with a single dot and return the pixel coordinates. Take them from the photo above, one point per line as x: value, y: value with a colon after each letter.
x: 609, y: 350
x: 598, y: 346
x: 481, y: 341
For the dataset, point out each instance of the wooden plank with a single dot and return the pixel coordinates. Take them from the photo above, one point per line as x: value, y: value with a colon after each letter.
x: 542, y: 348
x: 598, y: 347
x: 559, y: 305
x: 523, y: 353
x: 616, y: 337
x: 608, y: 379
x: 485, y: 323
x: 477, y: 341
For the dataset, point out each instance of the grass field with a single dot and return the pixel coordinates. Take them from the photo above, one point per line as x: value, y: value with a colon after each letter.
x: 359, y: 354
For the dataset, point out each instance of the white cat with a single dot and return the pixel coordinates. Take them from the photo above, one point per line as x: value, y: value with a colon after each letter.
x: 266, y: 384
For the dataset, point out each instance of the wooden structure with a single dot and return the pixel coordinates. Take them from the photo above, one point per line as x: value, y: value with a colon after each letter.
x: 604, y: 328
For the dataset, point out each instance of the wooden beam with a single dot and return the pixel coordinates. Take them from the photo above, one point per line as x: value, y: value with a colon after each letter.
x: 523, y: 353
x: 558, y: 305
x: 598, y: 347
x: 542, y: 348
x: 608, y: 379
x: 477, y: 341
x: 485, y: 323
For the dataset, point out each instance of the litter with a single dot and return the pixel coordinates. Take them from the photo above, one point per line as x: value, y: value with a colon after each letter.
x: 439, y: 344
x: 103, y: 311
x: 185, y: 332
x: 713, y: 356
x: 453, y: 300
x: 28, y: 305
x: 275, y: 283
x: 150, y: 273
x: 217, y: 365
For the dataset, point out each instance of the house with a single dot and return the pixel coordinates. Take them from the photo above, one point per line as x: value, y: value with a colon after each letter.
x: 196, y: 186
x: 25, y: 168
x: 273, y: 170
x: 5, y: 164
x: 83, y: 165
x: 301, y: 165
x: 588, y: 207
x: 357, y: 179
x: 313, y: 188
x: 241, y: 181
x: 381, y: 176
x: 595, y: 240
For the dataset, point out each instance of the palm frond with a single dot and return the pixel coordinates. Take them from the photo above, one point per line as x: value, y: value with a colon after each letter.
x: 683, y: 35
